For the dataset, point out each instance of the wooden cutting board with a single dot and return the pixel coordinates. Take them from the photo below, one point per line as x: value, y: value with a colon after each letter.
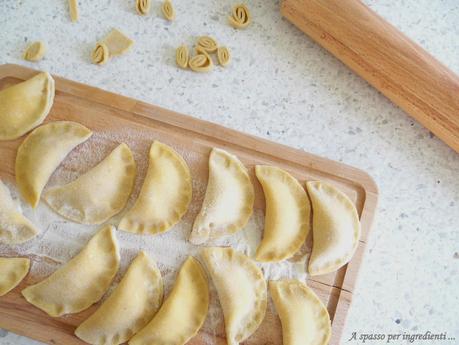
x: 109, y: 113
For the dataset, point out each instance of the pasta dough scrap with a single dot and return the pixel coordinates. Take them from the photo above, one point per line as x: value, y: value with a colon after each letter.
x: 35, y: 51
x: 12, y: 271
x: 25, y: 105
x: 41, y: 152
x: 117, y: 42
x: 100, y: 193
x: 168, y: 10
x: 229, y: 198
x: 182, y: 313
x: 14, y: 227
x: 165, y: 194
x: 288, y: 213
x: 100, y: 55
x: 74, y: 12
x: 201, y: 62
x: 223, y: 56
x: 241, y: 290
x: 208, y: 44
x: 143, y: 7
x: 304, y: 318
x: 129, y: 308
x: 182, y: 56
x: 82, y: 281
x: 335, y: 228
x: 240, y: 17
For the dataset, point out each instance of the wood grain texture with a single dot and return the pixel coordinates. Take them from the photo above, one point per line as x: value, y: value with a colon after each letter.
x: 387, y: 59
x: 108, y: 114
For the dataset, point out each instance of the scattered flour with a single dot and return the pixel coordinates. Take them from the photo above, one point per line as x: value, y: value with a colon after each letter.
x: 61, y: 239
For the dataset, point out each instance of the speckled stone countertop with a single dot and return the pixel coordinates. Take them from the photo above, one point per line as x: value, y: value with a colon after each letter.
x: 284, y: 87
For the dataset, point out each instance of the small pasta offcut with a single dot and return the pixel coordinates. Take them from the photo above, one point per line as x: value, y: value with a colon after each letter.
x: 143, y: 7
x: 223, y: 56
x: 201, y: 62
x: 168, y: 10
x: 207, y: 43
x: 35, y: 51
x: 100, y: 55
x: 240, y: 17
x: 74, y: 12
x: 182, y: 56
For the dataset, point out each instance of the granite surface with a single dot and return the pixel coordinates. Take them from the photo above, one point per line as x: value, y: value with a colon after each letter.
x: 283, y: 87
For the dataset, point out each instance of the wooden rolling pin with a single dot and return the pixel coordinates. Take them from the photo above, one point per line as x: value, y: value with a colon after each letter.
x: 387, y: 59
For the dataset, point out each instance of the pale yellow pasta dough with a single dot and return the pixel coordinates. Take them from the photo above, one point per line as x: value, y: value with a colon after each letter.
x: 182, y: 313
x: 241, y: 290
x: 14, y: 227
x: 223, y: 56
x: 117, y: 42
x: 12, y: 271
x: 74, y: 12
x: 182, y: 56
x: 228, y: 203
x: 165, y: 194
x: 240, y: 16
x: 288, y: 213
x: 143, y: 7
x: 201, y: 62
x: 25, y: 105
x: 335, y: 228
x: 35, y: 51
x: 304, y: 318
x: 41, y: 152
x: 208, y: 44
x: 82, y: 281
x: 100, y: 55
x: 129, y: 308
x: 168, y: 10
x: 100, y: 193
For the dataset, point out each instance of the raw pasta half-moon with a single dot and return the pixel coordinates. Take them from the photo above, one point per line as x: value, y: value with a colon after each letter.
x: 82, y: 281
x: 304, y: 318
x: 229, y: 198
x: 15, y: 228
x: 12, y: 271
x: 41, y: 152
x: 129, y: 308
x: 98, y: 194
x: 287, y: 214
x: 182, y: 313
x: 335, y: 228
x: 165, y: 194
x: 241, y: 289
x: 25, y: 105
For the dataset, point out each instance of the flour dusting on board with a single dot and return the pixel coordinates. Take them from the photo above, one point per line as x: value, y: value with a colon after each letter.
x: 60, y: 239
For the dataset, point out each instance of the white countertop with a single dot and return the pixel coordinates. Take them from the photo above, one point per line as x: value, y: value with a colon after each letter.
x: 284, y: 87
